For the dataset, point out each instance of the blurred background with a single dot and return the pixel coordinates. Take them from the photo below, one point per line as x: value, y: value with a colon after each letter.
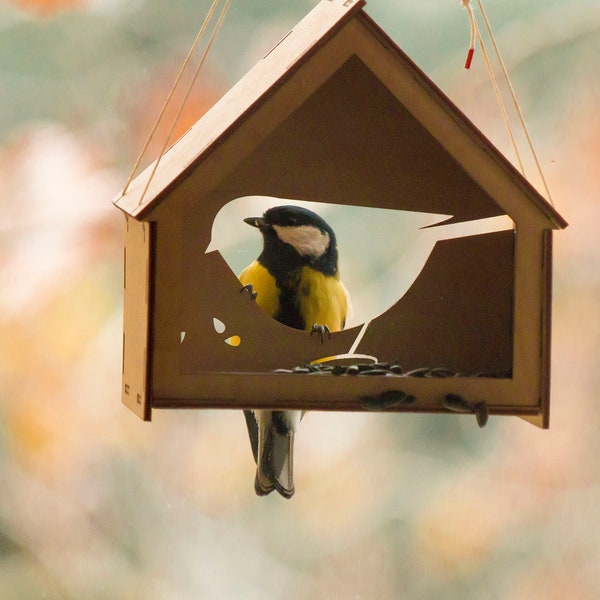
x: 96, y: 504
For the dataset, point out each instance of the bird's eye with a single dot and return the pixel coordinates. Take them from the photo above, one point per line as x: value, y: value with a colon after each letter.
x: 290, y: 221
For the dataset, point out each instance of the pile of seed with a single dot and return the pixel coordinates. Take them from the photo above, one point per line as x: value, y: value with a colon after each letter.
x: 385, y: 369
x: 391, y: 398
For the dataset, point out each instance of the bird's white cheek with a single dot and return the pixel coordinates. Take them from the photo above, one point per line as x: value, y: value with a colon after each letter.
x: 307, y: 240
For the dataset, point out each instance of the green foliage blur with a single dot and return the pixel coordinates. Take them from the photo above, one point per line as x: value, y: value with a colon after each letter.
x: 96, y: 504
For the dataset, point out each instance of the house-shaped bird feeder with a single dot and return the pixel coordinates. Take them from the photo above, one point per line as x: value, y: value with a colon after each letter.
x: 337, y: 113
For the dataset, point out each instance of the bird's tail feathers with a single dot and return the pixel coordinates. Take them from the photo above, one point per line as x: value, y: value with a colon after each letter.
x: 275, y: 464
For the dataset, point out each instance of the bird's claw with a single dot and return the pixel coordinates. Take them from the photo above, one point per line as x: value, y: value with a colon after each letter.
x: 248, y: 288
x: 321, y: 330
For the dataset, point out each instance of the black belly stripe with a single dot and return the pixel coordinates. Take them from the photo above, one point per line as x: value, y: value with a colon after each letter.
x: 289, y: 308
x: 289, y: 312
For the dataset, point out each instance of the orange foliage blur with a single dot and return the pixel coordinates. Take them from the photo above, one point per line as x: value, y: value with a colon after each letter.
x: 203, y: 94
x: 44, y: 8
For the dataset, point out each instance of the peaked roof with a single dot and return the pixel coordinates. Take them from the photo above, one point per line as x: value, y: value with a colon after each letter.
x: 269, y: 75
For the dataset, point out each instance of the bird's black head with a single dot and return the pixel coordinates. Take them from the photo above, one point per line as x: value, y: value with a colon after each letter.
x: 294, y: 236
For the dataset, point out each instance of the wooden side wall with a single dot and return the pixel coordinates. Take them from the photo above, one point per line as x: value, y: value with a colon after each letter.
x: 136, y: 312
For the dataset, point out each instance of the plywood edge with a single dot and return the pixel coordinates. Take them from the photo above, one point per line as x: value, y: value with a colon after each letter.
x: 539, y: 420
x: 345, y: 393
x: 542, y: 419
x: 546, y: 341
x: 135, y: 393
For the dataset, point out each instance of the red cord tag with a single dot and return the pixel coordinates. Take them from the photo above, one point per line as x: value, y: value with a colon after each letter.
x: 469, y: 58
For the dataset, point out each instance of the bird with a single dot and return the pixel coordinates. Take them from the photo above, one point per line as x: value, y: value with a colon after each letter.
x: 296, y: 280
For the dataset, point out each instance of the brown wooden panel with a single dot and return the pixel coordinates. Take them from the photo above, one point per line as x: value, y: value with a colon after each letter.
x: 136, y: 317
x: 352, y: 142
x: 458, y: 314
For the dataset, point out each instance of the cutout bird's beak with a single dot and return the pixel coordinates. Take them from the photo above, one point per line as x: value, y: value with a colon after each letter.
x: 255, y: 221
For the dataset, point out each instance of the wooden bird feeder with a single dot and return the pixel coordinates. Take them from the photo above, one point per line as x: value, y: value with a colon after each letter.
x: 337, y: 113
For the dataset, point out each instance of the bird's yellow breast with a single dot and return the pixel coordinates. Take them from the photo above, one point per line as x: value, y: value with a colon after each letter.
x: 321, y: 299
x: 263, y: 283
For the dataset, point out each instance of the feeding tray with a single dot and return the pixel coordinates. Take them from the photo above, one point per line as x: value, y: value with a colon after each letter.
x: 336, y: 113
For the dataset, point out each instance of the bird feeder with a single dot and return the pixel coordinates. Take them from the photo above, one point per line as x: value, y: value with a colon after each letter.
x: 337, y: 113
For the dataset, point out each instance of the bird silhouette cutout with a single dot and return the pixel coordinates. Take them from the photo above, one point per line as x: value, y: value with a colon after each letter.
x: 381, y: 251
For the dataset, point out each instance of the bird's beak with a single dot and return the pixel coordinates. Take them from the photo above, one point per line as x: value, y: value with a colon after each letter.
x: 255, y: 221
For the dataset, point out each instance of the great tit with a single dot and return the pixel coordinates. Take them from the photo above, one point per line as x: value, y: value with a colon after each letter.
x: 296, y: 280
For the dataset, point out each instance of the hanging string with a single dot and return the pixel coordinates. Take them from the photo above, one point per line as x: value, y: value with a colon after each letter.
x: 475, y: 33
x: 473, y: 24
x: 175, y: 85
x: 185, y: 99
x: 515, y: 102
x: 170, y: 94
